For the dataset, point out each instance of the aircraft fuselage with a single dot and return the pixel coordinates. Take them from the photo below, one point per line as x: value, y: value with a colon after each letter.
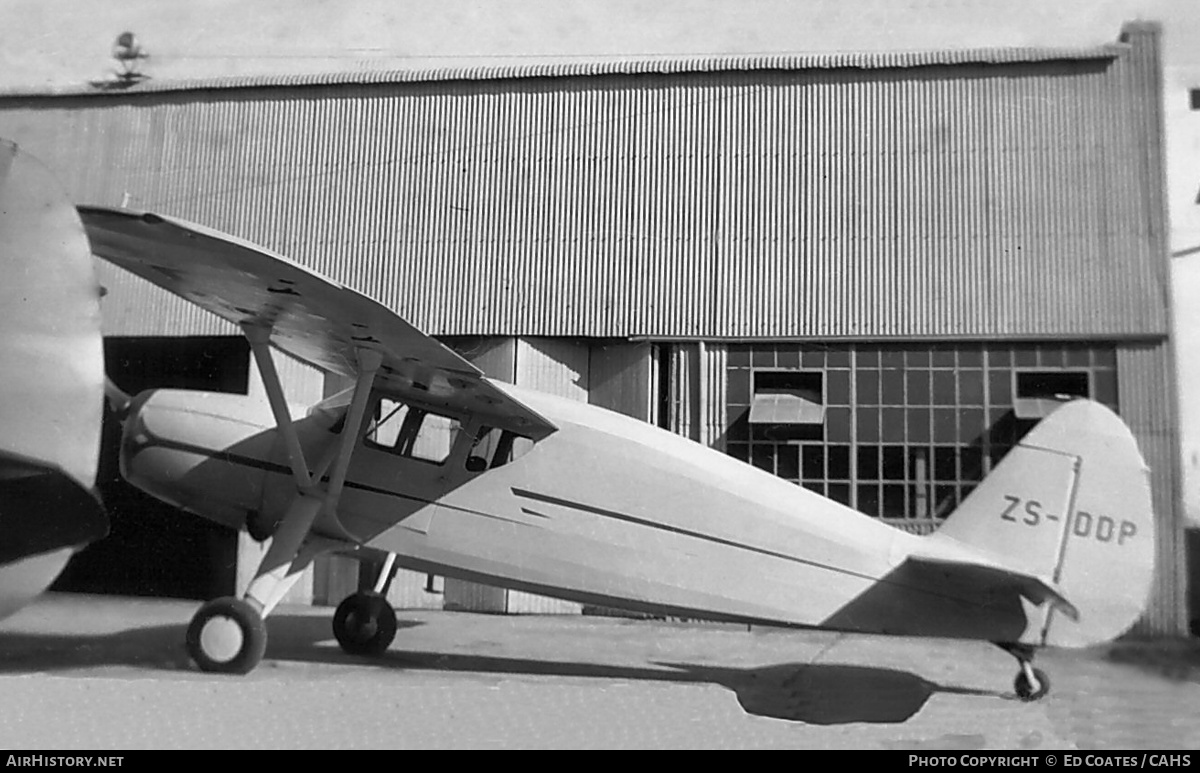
x: 606, y: 510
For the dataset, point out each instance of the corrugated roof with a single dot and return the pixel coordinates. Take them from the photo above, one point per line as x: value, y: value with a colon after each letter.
x: 973, y: 201
x: 754, y: 205
x: 872, y: 60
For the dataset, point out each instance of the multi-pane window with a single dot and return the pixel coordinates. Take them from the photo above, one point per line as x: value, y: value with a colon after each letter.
x: 907, y: 431
x: 411, y: 432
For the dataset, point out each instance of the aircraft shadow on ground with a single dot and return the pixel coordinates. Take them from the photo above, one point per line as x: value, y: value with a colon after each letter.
x: 812, y: 693
x: 829, y: 693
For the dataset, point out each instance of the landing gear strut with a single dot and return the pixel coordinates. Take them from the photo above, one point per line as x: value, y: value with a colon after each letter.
x: 1031, y: 683
x: 228, y: 634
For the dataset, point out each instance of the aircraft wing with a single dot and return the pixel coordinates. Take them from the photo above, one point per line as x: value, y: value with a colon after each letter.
x: 310, y: 316
x: 980, y: 577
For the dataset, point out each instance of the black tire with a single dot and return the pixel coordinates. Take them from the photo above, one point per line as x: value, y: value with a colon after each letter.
x: 240, y: 657
x: 1025, y: 690
x: 364, y: 624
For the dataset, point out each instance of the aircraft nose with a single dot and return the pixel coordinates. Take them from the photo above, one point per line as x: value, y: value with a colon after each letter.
x: 201, y: 451
x: 159, y: 447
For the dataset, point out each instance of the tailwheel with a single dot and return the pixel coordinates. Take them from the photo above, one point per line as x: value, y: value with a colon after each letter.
x: 364, y: 624
x: 227, y: 635
x: 1031, y: 683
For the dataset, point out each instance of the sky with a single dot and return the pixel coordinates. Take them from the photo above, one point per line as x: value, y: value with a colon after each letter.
x: 54, y: 43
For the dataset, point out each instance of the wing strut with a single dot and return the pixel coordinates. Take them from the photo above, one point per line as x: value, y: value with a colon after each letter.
x: 293, y: 547
x: 260, y: 344
x: 368, y: 365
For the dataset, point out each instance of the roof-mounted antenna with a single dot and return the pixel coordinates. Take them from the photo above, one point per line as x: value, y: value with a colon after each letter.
x: 128, y: 52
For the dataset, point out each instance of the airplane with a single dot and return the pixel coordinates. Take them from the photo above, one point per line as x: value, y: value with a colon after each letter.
x: 425, y: 463
x: 51, y: 381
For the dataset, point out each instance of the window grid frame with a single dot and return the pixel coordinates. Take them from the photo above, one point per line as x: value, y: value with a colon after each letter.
x: 930, y: 490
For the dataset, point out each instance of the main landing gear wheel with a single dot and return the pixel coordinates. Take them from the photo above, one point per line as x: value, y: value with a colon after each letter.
x: 1031, y: 686
x: 228, y: 636
x: 364, y: 624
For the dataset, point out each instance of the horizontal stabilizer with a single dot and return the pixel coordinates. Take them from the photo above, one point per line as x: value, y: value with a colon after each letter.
x: 987, y: 579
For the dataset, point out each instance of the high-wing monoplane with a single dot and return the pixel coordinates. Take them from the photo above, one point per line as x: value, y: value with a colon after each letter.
x: 51, y: 381
x: 429, y: 464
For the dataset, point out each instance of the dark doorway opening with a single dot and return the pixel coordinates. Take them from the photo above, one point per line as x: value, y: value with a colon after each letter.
x: 154, y: 549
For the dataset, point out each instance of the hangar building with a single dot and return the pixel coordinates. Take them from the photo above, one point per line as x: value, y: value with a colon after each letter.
x: 866, y: 273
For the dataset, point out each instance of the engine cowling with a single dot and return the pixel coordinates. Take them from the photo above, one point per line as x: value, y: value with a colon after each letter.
x: 206, y: 452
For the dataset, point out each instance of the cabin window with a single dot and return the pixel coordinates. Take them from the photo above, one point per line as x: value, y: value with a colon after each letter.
x: 412, y: 432
x: 1038, y: 392
x: 495, y: 447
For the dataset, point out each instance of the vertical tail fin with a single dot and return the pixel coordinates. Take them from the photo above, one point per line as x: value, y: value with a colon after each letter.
x: 1071, y: 503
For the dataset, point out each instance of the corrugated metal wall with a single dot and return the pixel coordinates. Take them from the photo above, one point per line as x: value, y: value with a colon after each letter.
x: 697, y: 402
x: 1147, y: 403
x: 1147, y: 387
x: 683, y: 396
x: 713, y: 385
x: 978, y: 199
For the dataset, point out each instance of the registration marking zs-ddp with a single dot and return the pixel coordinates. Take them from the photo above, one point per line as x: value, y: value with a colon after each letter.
x: 1101, y: 527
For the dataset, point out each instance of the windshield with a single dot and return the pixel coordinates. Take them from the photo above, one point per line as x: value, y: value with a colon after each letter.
x: 332, y: 409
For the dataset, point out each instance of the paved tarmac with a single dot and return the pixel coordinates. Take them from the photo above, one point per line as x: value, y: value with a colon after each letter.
x: 102, y: 672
